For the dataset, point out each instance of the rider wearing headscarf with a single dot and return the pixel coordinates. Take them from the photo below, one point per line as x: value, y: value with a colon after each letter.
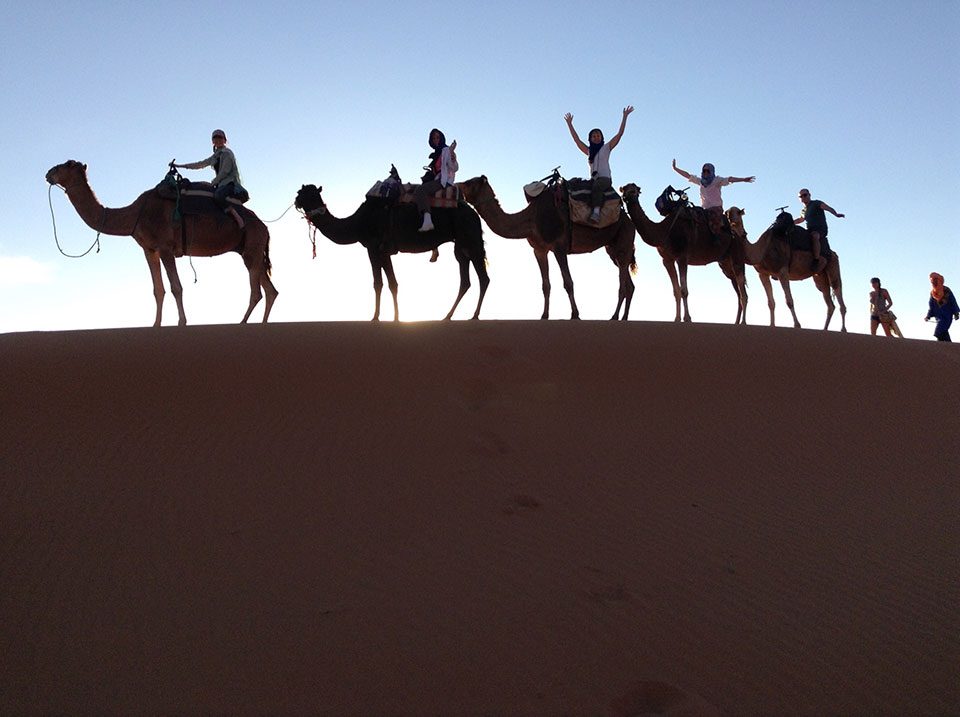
x: 943, y: 307
x: 711, y: 198
x: 441, y: 172
x: 598, y: 156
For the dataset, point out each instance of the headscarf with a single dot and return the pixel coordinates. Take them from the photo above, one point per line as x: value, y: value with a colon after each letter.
x: 937, y: 281
x: 707, y: 175
x: 594, y: 146
x: 439, y: 148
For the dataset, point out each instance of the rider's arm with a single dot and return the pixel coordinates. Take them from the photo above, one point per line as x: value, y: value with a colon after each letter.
x: 573, y: 133
x: 197, y: 165
x: 742, y: 179
x: 683, y: 173
x: 623, y: 125
x: 830, y: 209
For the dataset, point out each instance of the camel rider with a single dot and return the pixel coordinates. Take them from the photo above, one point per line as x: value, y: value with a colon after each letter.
x: 440, y: 173
x: 711, y: 198
x: 227, y: 180
x: 813, y: 215
x: 598, y: 157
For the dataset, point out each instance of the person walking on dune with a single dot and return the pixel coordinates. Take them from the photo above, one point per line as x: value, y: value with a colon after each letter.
x: 880, y: 314
x: 943, y: 307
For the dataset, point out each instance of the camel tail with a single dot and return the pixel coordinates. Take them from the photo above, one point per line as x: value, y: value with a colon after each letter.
x: 633, y: 265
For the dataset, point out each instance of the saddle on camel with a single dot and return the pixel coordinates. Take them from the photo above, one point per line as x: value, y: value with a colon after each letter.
x: 675, y: 202
x: 798, y: 239
x: 197, y: 198
x: 576, y: 193
x: 395, y: 191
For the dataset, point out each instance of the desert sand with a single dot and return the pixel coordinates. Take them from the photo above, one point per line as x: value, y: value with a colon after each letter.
x: 515, y: 518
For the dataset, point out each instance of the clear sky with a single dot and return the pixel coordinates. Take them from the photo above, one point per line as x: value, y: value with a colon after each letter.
x: 859, y: 101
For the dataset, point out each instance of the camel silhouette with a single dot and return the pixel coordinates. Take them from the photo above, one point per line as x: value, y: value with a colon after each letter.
x: 384, y: 227
x: 150, y: 221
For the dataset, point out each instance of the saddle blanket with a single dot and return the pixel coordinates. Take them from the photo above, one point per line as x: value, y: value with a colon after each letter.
x: 205, y: 189
x: 579, y: 192
x: 448, y: 197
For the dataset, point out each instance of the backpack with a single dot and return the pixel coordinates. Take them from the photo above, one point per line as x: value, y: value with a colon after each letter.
x: 670, y: 200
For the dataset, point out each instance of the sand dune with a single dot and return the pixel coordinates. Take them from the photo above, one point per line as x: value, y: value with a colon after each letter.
x: 479, y: 518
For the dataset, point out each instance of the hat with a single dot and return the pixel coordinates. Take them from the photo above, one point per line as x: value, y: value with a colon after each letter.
x: 218, y: 133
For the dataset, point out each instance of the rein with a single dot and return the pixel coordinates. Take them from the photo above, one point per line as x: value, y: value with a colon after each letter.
x: 311, y: 227
x: 96, y: 242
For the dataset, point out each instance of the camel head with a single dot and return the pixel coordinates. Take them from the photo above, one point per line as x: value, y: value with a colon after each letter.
x: 476, y: 190
x: 309, y: 200
x: 69, y: 173
x: 735, y: 217
x: 630, y: 192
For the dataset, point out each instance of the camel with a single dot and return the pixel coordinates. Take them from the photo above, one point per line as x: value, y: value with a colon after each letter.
x: 772, y: 256
x: 680, y: 244
x: 384, y: 227
x: 547, y: 227
x: 149, y: 220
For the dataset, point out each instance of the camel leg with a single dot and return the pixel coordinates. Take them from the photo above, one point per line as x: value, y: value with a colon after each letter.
x: 176, y: 288
x: 825, y: 282
x: 464, y: 263
x: 825, y: 292
x: 392, y: 284
x: 788, y: 296
x: 254, y: 272
x: 768, y: 288
x: 153, y: 261
x: 270, y: 292
x: 480, y: 266
x: 257, y: 260
x: 836, y: 283
x: 541, y: 257
x: 564, y: 265
x: 627, y: 288
x: 741, y: 287
x: 683, y: 289
x: 375, y: 266
x: 739, y: 282
x: 671, y: 268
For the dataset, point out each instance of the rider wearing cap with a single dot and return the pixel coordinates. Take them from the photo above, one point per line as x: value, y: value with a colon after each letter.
x: 227, y: 177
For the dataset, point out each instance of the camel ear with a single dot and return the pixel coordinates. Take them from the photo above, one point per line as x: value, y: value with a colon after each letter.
x: 319, y: 189
x: 483, y: 178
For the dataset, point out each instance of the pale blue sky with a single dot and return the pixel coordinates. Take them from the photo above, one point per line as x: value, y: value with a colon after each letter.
x: 856, y: 100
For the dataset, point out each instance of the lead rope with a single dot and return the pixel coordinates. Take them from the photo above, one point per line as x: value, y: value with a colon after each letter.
x: 271, y: 221
x: 96, y: 242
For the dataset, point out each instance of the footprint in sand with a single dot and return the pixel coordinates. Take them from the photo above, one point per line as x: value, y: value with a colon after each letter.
x: 660, y: 698
x: 521, y: 501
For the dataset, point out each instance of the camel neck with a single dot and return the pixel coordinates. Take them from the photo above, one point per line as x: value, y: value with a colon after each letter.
x: 106, y: 220
x: 509, y: 226
x: 340, y: 231
x: 651, y: 232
